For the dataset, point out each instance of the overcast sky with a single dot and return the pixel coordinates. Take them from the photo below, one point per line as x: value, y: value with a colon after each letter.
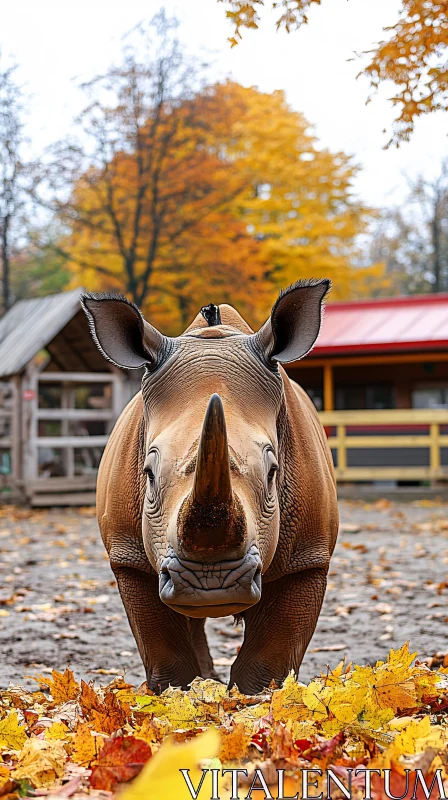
x: 57, y: 41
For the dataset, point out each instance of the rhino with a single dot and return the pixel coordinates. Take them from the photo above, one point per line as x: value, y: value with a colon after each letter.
x: 216, y: 493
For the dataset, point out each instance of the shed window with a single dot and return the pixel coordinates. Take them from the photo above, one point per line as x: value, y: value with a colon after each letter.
x: 376, y: 396
x: 430, y: 397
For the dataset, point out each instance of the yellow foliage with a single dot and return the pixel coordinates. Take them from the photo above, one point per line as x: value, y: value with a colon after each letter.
x: 12, y: 734
x: 41, y: 762
x: 390, y: 715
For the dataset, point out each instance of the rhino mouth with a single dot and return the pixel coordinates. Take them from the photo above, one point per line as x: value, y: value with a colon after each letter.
x: 201, y: 589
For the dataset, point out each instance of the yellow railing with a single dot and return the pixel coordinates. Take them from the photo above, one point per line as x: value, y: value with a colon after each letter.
x: 347, y: 438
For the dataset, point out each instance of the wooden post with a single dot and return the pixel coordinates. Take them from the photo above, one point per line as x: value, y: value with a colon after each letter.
x: 16, y: 449
x: 328, y: 387
x: 434, y: 450
x: 342, y: 452
x: 68, y: 453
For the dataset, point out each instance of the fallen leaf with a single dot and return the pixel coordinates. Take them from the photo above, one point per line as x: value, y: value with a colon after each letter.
x: 40, y: 762
x: 62, y: 685
x: 161, y: 779
x: 12, y: 734
x: 120, y: 760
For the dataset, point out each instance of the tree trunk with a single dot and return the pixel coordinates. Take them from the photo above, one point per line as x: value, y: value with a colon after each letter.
x: 437, y: 285
x: 5, y: 268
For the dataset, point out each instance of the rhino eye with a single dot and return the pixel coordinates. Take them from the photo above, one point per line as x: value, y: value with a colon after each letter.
x: 150, y: 468
x: 271, y: 464
x: 272, y: 471
x: 148, y: 471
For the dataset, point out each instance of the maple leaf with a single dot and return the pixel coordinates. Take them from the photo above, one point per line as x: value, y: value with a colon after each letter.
x: 12, y: 734
x: 58, y: 730
x: 85, y: 745
x: 62, y: 685
x: 161, y: 779
x: 120, y: 760
x: 287, y: 702
x: 234, y: 744
x: 41, y: 762
x: 106, y: 715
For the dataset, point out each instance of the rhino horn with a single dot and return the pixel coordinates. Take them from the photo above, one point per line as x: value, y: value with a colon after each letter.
x: 212, y: 482
x: 212, y: 520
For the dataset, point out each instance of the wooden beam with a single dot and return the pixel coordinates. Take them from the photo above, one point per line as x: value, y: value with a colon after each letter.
x: 354, y: 474
x: 78, y: 377
x: 70, y: 441
x: 78, y: 483
x: 68, y: 499
x: 75, y: 413
x: 352, y: 361
x: 395, y: 416
x: 380, y: 442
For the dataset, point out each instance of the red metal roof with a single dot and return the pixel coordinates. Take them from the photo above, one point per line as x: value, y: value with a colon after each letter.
x: 394, y: 324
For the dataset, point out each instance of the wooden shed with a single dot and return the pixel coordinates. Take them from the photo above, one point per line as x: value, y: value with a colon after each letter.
x: 379, y: 377
x: 59, y: 399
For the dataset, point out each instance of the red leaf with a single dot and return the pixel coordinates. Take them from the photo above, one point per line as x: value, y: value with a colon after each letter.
x: 302, y: 744
x: 120, y: 760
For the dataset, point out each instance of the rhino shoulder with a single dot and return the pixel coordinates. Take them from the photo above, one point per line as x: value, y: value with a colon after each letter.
x: 121, y: 485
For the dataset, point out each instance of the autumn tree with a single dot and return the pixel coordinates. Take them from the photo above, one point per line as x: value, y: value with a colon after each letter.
x: 12, y: 173
x: 413, y: 55
x: 412, y: 240
x: 190, y: 194
x: 143, y: 174
x: 297, y: 202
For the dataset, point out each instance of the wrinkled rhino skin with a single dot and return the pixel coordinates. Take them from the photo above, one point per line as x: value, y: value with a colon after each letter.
x: 216, y: 491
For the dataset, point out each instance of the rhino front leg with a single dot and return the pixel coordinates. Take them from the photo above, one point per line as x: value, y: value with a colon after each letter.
x: 163, y: 636
x: 278, y: 630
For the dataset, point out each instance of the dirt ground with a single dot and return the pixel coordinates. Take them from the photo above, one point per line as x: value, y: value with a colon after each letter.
x: 59, y: 603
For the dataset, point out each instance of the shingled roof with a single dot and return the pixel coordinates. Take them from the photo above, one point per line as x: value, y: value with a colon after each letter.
x: 30, y: 325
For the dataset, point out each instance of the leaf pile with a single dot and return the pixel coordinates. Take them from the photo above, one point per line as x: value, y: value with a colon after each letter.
x: 76, y: 739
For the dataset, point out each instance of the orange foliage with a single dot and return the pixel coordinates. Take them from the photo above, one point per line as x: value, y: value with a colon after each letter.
x: 413, y: 57
x: 233, y: 199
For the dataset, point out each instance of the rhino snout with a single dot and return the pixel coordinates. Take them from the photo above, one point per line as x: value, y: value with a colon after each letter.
x: 201, y: 589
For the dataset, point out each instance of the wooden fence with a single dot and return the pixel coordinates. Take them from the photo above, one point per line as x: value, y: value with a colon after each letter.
x: 365, y: 444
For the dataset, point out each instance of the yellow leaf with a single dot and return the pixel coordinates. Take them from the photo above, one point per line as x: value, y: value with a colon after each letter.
x: 57, y: 731
x: 85, y: 745
x: 234, y: 744
x: 12, y: 734
x: 181, y: 712
x: 286, y: 703
x: 151, y: 704
x: 316, y: 698
x: 161, y: 778
x: 209, y: 691
x: 41, y: 762
x: 62, y: 685
x: 4, y: 775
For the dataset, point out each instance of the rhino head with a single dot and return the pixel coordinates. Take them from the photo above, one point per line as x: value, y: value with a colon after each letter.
x: 214, y: 440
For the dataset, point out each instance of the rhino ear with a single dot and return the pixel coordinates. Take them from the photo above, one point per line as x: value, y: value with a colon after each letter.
x: 121, y: 333
x: 294, y: 324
